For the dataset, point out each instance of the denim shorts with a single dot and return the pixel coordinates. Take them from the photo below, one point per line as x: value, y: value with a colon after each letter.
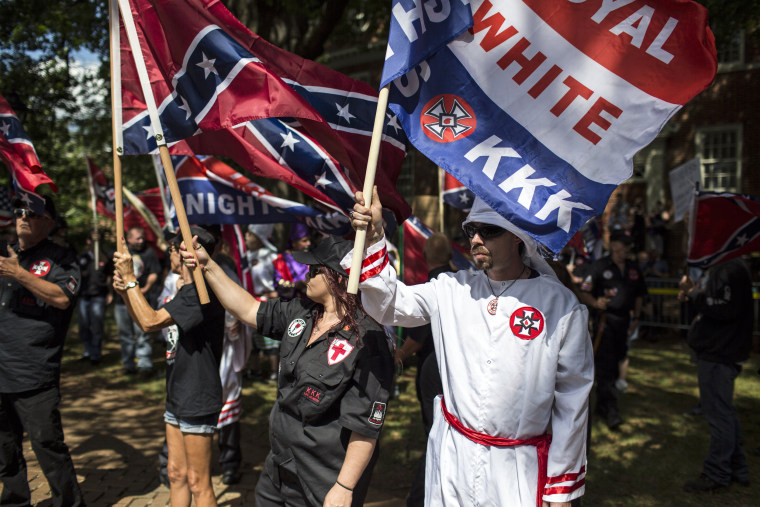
x: 200, y: 425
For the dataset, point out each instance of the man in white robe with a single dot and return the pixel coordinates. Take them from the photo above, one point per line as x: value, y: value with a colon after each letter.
x: 515, y: 359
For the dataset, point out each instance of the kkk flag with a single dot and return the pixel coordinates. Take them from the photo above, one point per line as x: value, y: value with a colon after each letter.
x: 210, y: 74
x: 416, y: 269
x: 455, y: 194
x: 214, y: 193
x: 538, y: 107
x: 725, y: 226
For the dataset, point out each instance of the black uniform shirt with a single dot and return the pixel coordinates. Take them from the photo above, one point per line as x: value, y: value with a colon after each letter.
x: 30, y: 346
x: 193, y: 385
x: 337, y: 385
x: 94, y: 274
x: 605, y: 279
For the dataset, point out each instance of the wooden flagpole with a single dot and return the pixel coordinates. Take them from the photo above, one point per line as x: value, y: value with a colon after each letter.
x: 369, y: 183
x: 171, y: 178
x: 94, y: 203
x: 118, y: 138
x: 441, y: 185
x: 156, y: 167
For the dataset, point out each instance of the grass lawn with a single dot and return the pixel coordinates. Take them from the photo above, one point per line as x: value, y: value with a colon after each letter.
x: 644, y: 463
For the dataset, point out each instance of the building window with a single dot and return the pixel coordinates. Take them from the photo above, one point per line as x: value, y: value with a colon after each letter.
x: 731, y: 54
x: 719, y: 150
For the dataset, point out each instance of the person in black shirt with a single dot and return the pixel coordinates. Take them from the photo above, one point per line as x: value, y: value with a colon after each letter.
x: 94, y: 296
x: 615, y: 288
x: 721, y: 337
x: 336, y: 370
x: 38, y: 282
x: 193, y: 387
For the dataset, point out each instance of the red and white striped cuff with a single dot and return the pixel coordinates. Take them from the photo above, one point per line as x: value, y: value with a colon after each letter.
x: 375, y: 259
x: 565, y: 484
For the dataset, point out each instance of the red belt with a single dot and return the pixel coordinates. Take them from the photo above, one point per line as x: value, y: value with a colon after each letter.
x: 541, y: 442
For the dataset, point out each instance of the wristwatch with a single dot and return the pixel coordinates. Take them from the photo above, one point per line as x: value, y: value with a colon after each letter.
x: 131, y: 285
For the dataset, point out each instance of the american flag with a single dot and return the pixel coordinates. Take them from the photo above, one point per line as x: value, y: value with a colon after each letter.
x: 6, y: 207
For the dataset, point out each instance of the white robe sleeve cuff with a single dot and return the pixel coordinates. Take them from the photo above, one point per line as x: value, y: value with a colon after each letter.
x: 375, y: 259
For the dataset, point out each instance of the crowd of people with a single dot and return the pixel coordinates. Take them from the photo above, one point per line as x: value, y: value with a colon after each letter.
x: 508, y: 353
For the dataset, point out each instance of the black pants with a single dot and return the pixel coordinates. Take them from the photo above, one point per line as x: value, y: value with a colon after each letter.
x: 37, y: 413
x: 613, y: 348
x: 726, y: 458
x: 230, y: 454
x: 429, y: 386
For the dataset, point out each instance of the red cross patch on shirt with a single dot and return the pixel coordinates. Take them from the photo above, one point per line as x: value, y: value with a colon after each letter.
x: 40, y: 268
x: 338, y: 351
x: 526, y: 323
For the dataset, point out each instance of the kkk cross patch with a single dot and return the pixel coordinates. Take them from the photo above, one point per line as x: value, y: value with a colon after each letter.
x: 378, y: 413
x: 296, y: 327
x: 312, y: 394
x: 526, y: 323
x: 338, y: 351
x: 40, y: 268
x: 633, y: 274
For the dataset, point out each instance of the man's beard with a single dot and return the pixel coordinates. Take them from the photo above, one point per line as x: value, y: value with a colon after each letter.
x: 484, y: 263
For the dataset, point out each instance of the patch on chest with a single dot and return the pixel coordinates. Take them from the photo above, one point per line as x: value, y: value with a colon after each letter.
x: 607, y: 274
x: 526, y: 323
x: 378, y: 413
x: 492, y: 305
x: 312, y: 394
x: 339, y: 350
x: 633, y: 274
x: 296, y: 327
x: 40, y: 268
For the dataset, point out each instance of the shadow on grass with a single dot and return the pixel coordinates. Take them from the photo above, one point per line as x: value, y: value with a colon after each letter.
x: 658, y: 448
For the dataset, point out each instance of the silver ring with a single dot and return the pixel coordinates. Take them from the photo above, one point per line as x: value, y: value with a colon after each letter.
x: 351, y: 214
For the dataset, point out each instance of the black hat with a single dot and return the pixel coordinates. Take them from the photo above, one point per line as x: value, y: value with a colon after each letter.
x: 49, y: 205
x: 205, y: 239
x: 328, y: 253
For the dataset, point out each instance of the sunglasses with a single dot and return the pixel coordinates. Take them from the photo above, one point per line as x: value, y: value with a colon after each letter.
x: 24, y: 212
x: 314, y: 270
x: 484, y: 231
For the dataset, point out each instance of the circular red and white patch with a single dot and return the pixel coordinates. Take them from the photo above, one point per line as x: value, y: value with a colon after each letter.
x: 40, y: 268
x: 492, y: 305
x: 447, y: 118
x: 633, y: 274
x: 526, y: 323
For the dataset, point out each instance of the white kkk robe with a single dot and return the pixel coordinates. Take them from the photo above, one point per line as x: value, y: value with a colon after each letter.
x: 521, y: 372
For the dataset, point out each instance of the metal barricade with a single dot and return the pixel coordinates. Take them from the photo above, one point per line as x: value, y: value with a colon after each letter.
x: 663, y: 310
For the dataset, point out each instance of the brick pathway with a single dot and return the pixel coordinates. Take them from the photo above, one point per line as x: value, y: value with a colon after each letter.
x: 114, y: 433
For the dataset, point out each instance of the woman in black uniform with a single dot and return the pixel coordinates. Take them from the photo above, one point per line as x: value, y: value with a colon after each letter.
x: 336, y: 370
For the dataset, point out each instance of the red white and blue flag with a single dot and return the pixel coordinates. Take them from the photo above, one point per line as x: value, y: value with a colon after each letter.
x: 725, y: 226
x: 211, y: 77
x: 455, y: 194
x: 18, y: 153
x: 214, y: 193
x: 416, y: 269
x: 538, y: 107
